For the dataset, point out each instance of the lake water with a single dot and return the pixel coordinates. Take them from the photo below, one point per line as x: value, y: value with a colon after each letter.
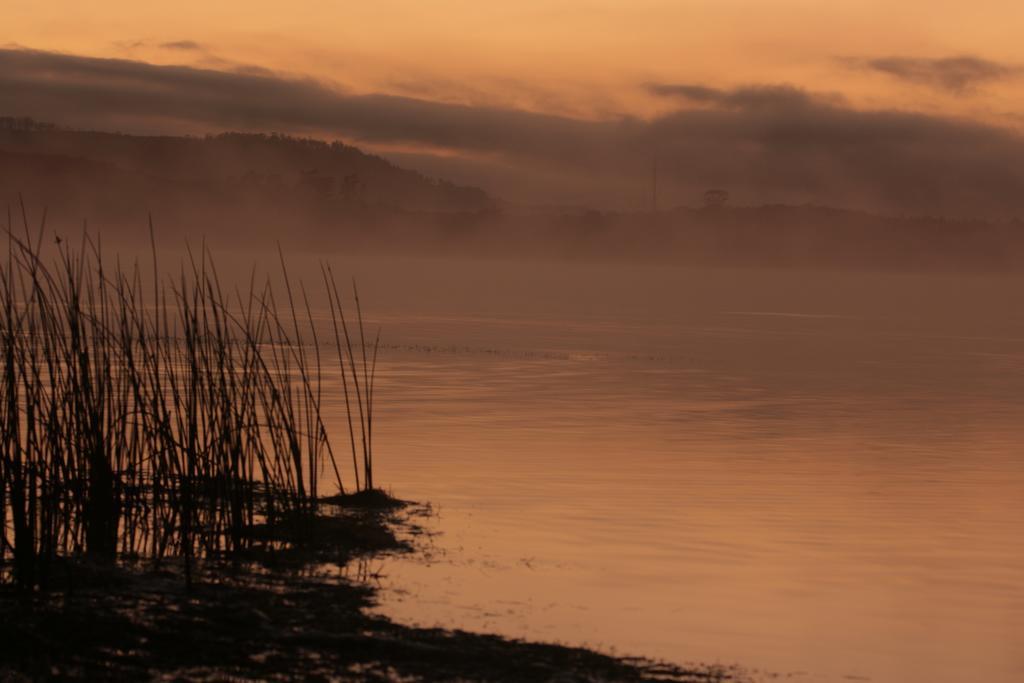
x: 804, y: 473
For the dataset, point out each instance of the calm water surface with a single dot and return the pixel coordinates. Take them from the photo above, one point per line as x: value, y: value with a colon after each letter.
x: 807, y: 473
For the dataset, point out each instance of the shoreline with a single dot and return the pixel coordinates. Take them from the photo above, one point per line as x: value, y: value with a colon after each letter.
x: 282, y: 617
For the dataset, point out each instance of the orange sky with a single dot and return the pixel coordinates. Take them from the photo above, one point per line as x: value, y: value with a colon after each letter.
x: 579, y: 57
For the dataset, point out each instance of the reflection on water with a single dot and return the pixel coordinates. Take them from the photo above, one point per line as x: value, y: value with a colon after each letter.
x: 799, y: 472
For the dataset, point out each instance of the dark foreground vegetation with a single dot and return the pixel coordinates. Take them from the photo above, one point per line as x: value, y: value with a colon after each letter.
x: 161, y: 451
x: 151, y: 416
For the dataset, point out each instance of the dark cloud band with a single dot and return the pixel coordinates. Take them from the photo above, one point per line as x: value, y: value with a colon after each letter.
x: 764, y: 143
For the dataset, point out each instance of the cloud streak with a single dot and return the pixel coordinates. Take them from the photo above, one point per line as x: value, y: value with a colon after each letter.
x: 959, y: 75
x: 775, y: 143
x: 761, y: 97
x: 186, y: 45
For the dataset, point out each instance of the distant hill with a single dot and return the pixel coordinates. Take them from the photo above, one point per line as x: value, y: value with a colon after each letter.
x: 253, y: 190
x: 113, y: 177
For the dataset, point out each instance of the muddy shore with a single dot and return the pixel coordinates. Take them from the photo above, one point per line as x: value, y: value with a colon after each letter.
x: 286, y: 615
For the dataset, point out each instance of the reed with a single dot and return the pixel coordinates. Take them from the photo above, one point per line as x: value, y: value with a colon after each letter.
x: 159, y: 416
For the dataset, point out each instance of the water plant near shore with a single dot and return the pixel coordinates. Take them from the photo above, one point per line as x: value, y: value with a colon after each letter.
x: 156, y: 415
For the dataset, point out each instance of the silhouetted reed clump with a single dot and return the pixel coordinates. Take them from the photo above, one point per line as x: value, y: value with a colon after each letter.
x: 151, y: 414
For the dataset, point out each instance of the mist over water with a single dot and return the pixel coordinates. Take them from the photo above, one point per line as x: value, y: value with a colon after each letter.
x: 804, y: 472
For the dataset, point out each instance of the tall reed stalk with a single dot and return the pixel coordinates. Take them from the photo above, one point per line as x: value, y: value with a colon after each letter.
x: 161, y: 419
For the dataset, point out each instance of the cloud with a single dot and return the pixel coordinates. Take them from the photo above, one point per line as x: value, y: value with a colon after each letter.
x: 187, y: 45
x: 132, y: 94
x: 769, y: 143
x: 957, y: 75
x: 746, y: 97
x: 129, y: 44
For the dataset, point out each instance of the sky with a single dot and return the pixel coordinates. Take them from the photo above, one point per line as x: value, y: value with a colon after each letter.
x: 567, y: 101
